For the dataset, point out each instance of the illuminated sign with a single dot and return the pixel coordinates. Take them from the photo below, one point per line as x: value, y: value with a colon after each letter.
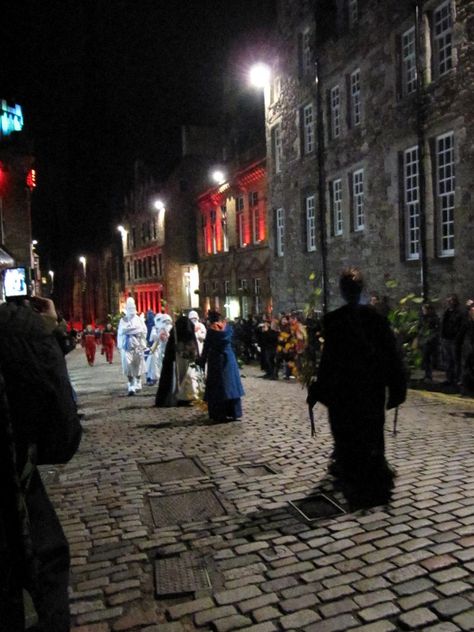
x: 11, y: 118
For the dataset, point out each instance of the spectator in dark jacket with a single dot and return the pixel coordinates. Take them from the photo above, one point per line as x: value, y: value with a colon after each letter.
x: 451, y: 324
x: 38, y: 425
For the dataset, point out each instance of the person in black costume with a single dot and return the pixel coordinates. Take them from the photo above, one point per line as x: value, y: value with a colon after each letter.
x: 175, y: 387
x: 359, y: 361
x: 39, y: 425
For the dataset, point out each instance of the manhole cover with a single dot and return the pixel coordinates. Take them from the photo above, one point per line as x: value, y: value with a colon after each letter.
x: 259, y: 469
x: 192, y: 506
x: 172, y: 470
x: 180, y: 575
x: 317, y: 506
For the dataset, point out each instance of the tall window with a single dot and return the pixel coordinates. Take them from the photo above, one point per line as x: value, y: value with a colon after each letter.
x: 255, y: 215
x: 335, y: 112
x: 352, y: 12
x: 411, y: 193
x: 276, y: 147
x: 213, y: 232
x: 308, y: 129
x: 310, y: 205
x: 225, y: 238
x: 442, y: 39
x: 239, y: 209
x: 256, y: 292
x: 160, y: 264
x: 280, y: 232
x: 358, y: 199
x: 408, y: 62
x: 445, y: 187
x: 336, y: 199
x: 304, y: 52
x: 155, y: 228
x: 355, y: 98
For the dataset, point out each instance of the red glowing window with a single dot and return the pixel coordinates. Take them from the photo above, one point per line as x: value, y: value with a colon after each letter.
x: 31, y: 179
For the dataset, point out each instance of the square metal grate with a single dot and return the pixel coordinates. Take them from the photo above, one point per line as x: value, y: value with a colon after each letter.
x: 172, y: 470
x: 193, y: 506
x: 317, y: 506
x: 259, y: 469
x: 180, y: 575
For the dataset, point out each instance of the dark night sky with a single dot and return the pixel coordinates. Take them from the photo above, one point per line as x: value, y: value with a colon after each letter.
x: 104, y: 81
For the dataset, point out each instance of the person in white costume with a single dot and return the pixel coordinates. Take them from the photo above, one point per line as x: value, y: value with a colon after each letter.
x: 131, y: 340
x: 199, y: 329
x: 158, y: 337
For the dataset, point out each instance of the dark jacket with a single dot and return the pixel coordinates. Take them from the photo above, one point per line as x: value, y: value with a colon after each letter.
x: 223, y: 375
x: 38, y: 425
x: 451, y: 323
x: 359, y: 361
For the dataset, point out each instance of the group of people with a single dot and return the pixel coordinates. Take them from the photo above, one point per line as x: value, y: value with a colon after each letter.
x: 187, y: 360
x: 452, y: 336
x: 92, y: 338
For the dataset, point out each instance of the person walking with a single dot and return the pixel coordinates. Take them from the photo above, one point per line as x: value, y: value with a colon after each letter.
x: 108, y: 342
x: 131, y: 340
x: 39, y: 425
x: 223, y: 390
x: 159, y: 337
x: 89, y: 343
x: 359, y: 361
x: 451, y: 324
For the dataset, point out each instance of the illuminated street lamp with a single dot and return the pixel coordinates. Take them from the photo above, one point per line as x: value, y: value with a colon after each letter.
x: 83, y: 261
x: 121, y: 230
x: 51, y: 274
x: 259, y: 75
x: 218, y: 176
x: 158, y: 204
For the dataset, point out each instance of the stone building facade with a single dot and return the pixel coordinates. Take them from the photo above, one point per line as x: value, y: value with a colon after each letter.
x: 234, y: 256
x: 370, y: 145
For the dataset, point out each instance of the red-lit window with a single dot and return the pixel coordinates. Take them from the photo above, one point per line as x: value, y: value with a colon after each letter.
x: 31, y: 179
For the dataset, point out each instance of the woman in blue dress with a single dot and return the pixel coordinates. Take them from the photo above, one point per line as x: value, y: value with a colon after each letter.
x: 223, y: 386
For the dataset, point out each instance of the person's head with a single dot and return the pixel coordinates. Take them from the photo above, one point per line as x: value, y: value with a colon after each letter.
x: 427, y: 309
x: 351, y: 284
x: 108, y: 326
x: 193, y: 316
x: 453, y: 301
x: 130, y: 307
x: 213, y: 316
x: 89, y: 328
x: 374, y: 298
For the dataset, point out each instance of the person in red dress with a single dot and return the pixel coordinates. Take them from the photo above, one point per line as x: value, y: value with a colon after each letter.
x: 88, y: 342
x: 108, y: 342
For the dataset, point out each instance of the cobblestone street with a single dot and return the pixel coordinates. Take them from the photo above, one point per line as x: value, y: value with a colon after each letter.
x: 403, y: 567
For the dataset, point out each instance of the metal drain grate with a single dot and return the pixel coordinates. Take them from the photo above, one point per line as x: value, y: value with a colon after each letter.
x: 193, y: 506
x: 317, y: 506
x: 172, y: 470
x: 180, y: 575
x: 259, y: 469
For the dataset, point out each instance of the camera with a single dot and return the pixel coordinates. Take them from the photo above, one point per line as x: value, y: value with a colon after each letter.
x: 16, y: 284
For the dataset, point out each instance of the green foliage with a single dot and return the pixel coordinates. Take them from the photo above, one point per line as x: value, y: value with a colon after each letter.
x: 114, y: 319
x: 404, y: 319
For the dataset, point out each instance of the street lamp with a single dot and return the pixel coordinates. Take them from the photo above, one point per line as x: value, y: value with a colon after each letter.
x: 158, y: 204
x: 259, y: 75
x: 51, y: 274
x: 121, y: 230
x: 218, y: 176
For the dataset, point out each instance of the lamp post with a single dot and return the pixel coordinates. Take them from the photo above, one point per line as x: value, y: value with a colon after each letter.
x: 83, y: 261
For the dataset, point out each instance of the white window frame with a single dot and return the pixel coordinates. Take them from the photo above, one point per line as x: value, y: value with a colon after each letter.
x: 224, y: 227
x: 277, y: 147
x: 310, y: 210
x: 306, y: 57
x: 239, y: 211
x: 280, y: 231
x: 356, y: 110
x: 408, y: 57
x: 358, y: 200
x: 336, y: 199
x: 443, y: 38
x: 445, y: 192
x: 335, y: 98
x: 213, y: 232
x: 308, y: 128
x: 411, y: 202
x: 352, y: 12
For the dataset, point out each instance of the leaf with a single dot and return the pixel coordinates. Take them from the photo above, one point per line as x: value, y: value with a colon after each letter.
x: 312, y: 276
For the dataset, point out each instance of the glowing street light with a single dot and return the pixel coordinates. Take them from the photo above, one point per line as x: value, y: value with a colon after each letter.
x: 218, y: 176
x: 51, y: 274
x: 259, y: 75
x: 121, y: 230
x: 83, y: 260
x: 158, y: 204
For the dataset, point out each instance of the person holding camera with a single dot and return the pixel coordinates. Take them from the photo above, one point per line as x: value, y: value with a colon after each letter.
x: 39, y: 425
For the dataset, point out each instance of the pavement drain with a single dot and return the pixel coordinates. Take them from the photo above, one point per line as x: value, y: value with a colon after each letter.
x: 180, y: 575
x: 193, y: 506
x: 258, y: 469
x: 172, y: 470
x: 317, y: 506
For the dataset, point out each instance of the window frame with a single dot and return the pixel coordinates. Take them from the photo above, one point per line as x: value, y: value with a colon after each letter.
x: 335, y: 109
x: 310, y: 215
x: 443, y: 198
x: 337, y: 207
x: 409, y: 75
x: 438, y: 45
x: 355, y: 98
x: 280, y: 231
x: 411, y: 202
x: 308, y: 129
x: 358, y: 201
x: 277, y: 150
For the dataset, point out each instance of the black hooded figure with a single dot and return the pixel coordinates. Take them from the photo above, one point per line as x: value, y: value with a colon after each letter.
x: 181, y: 351
x: 359, y: 361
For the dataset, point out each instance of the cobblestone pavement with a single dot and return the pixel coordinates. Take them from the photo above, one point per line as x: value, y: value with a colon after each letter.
x: 402, y: 567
